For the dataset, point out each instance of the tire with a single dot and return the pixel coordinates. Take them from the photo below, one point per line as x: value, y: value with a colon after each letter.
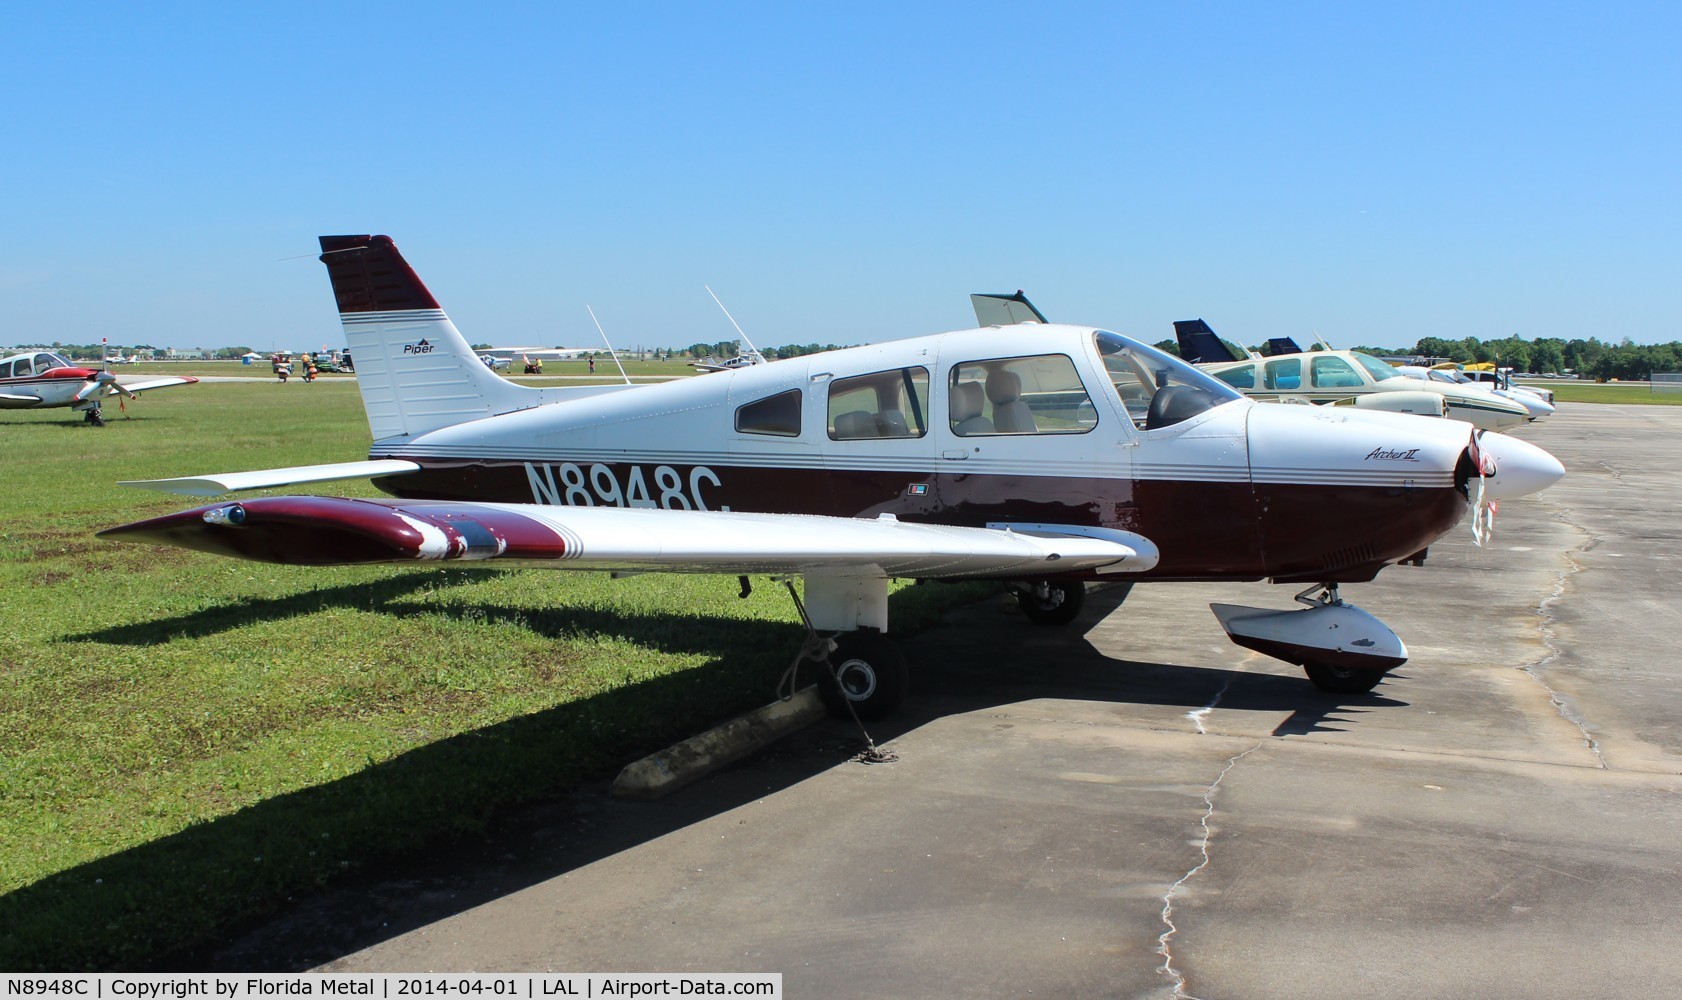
x: 1337, y: 680
x: 872, y: 677
x: 1061, y: 605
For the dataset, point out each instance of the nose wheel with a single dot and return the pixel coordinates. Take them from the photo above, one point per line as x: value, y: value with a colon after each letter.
x: 1342, y: 680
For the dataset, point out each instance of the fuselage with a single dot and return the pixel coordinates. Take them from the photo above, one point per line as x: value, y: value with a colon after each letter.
x: 1350, y: 376
x: 1044, y: 424
x: 41, y: 379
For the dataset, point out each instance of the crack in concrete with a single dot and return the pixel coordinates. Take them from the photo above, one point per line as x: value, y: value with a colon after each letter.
x: 1198, y: 715
x: 1549, y: 635
x: 1162, y: 941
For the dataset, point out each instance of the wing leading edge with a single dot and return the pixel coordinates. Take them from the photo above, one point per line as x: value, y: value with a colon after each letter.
x: 319, y: 531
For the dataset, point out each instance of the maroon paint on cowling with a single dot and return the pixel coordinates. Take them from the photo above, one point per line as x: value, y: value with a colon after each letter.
x: 369, y: 275
x: 1205, y: 531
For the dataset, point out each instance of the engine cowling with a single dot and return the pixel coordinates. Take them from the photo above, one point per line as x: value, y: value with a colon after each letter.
x: 1425, y: 404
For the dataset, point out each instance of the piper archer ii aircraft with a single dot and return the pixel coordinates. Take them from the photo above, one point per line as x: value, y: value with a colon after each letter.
x: 1044, y: 455
x: 39, y: 380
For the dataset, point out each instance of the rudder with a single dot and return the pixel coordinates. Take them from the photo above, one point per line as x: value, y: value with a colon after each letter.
x: 416, y: 371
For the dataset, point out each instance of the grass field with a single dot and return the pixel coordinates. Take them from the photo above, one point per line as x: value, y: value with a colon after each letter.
x: 1610, y: 392
x: 187, y: 741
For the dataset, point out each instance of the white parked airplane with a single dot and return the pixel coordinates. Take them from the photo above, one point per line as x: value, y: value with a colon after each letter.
x: 39, y: 380
x: 1044, y: 455
x: 1535, y: 403
x: 1347, y: 377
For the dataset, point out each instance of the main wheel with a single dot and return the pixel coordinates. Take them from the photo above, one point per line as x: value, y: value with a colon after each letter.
x: 1341, y: 680
x: 869, y: 674
x: 1059, y: 605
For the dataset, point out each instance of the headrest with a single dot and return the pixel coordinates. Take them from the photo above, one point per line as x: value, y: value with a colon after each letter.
x: 1003, y: 386
x: 967, y: 401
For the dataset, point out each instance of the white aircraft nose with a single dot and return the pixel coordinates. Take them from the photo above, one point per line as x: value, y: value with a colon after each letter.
x: 1521, y: 468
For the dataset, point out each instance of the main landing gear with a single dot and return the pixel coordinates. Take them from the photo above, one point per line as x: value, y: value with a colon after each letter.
x: 1051, y: 602
x: 867, y: 674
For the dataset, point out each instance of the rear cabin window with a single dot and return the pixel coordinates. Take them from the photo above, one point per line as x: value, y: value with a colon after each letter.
x: 1332, y: 372
x: 890, y: 404
x: 777, y: 415
x: 1032, y: 395
x: 1286, y: 373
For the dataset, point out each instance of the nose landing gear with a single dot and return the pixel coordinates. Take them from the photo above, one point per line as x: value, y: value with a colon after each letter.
x: 1342, y: 649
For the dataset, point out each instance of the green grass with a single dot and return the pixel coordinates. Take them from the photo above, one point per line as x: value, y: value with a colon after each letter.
x: 186, y: 741
x: 1610, y: 392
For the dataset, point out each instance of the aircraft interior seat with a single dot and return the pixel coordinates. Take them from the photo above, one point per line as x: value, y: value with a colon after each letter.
x: 855, y: 424
x: 892, y: 424
x: 968, y: 400
x: 1174, y: 403
x: 1010, y: 414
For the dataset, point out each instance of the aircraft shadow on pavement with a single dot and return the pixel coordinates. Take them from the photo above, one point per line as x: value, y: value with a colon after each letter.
x: 981, y: 660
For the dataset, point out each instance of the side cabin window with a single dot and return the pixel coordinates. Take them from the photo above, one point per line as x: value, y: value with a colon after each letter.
x: 890, y: 404
x: 1033, y: 395
x: 1332, y: 372
x: 777, y: 415
x: 6, y: 370
x: 23, y: 366
x: 1284, y: 374
x: 1242, y: 377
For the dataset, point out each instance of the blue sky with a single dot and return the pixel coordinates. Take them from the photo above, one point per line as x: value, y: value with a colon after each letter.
x: 846, y: 173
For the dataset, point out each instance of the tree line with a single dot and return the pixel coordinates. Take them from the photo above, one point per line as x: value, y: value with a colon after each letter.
x: 1589, y: 358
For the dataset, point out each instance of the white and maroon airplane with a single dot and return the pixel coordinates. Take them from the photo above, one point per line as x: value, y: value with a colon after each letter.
x: 1044, y: 455
x: 39, y: 380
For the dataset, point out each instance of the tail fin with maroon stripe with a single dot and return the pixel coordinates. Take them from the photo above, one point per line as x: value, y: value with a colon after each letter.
x: 416, y: 371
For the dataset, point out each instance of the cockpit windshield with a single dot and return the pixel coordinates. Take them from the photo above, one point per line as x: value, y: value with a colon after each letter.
x: 1376, y: 368
x: 50, y: 360
x: 1159, y: 390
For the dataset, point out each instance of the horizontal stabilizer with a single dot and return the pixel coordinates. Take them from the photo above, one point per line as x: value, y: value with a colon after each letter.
x: 230, y: 482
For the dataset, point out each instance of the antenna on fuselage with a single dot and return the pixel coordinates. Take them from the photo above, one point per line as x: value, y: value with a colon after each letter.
x: 610, y: 352
x: 733, y: 323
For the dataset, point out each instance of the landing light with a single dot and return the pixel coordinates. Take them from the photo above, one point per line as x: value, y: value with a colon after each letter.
x: 232, y: 514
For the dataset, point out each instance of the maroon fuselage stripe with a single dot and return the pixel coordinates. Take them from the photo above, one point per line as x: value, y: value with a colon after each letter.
x: 1205, y: 531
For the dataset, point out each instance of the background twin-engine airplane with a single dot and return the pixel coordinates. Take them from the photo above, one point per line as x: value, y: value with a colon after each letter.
x: 41, y: 380
x: 1043, y: 455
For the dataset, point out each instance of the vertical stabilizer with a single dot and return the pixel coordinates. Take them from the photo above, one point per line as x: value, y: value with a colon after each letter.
x: 1004, y: 310
x: 416, y: 371
x: 1199, y: 344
